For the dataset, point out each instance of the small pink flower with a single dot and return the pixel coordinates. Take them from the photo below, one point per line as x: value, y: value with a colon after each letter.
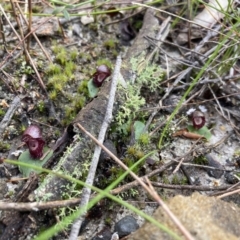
x: 198, y: 119
x: 33, y: 138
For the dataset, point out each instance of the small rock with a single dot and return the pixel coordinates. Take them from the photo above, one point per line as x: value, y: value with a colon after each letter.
x: 213, y: 163
x: 104, y: 234
x: 171, y: 102
x: 126, y: 226
x: 115, y: 236
x: 111, y: 147
x: 3, y: 188
x: 230, y: 178
x: 77, y: 30
x: 204, y: 217
x: 87, y: 19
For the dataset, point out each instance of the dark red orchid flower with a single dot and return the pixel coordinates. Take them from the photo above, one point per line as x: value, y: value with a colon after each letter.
x: 33, y: 138
x: 198, y: 119
x: 100, y: 75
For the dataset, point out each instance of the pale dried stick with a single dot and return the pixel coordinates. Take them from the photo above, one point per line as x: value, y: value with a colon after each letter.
x: 20, y: 42
x: 20, y: 29
x: 34, y: 35
x: 91, y: 175
x: 228, y: 194
x: 40, y: 81
x: 9, y: 114
x: 29, y: 7
x: 37, y: 206
x: 219, y: 105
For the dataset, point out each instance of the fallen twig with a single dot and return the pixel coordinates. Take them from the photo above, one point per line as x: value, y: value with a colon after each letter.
x: 34, y: 35
x: 8, y: 116
x: 136, y: 183
x: 37, y: 206
x: 189, y: 187
x: 229, y: 193
x: 91, y: 174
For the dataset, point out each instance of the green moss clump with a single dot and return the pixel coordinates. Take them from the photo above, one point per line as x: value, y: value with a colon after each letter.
x: 41, y: 106
x: 73, y: 54
x: 73, y: 108
x: 110, y: 44
x: 53, y: 95
x: 2, y: 112
x: 79, y: 103
x: 69, y: 115
x: 104, y: 61
x: 70, y: 67
x: 61, y: 57
x: 175, y: 179
x: 201, y: 160
x: 108, y: 221
x: 37, y: 8
x: 144, y: 139
x: 22, y: 128
x: 83, y: 88
x: 53, y: 69
x: 85, y: 57
x: 93, y: 26
x: 165, y: 179
x: 57, y: 48
x: 4, y: 147
x: 131, y: 150
x: 7, y: 7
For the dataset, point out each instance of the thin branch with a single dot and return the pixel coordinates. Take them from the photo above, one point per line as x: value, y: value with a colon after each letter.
x: 21, y: 41
x: 189, y: 187
x: 90, y: 178
x: 20, y: 30
x: 136, y: 183
x: 34, y: 35
x: 37, y: 206
x: 8, y: 116
x: 229, y: 193
x: 29, y: 5
x: 218, y: 103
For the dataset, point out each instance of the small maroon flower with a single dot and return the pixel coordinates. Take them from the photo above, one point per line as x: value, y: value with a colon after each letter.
x: 33, y: 138
x: 100, y: 75
x: 198, y: 119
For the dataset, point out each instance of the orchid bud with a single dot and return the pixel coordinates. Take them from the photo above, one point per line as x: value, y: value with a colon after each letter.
x: 100, y: 75
x: 33, y: 138
x: 198, y: 119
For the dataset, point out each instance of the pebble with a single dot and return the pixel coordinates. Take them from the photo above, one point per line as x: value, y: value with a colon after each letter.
x: 213, y: 163
x: 111, y: 147
x: 104, y: 234
x: 230, y: 178
x: 126, y: 226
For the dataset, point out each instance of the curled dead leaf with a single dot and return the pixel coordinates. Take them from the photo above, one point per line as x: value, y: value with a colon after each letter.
x: 185, y: 133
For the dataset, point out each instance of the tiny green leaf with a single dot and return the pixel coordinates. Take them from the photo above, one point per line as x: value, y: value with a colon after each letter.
x: 66, y: 14
x: 138, y: 129
x: 58, y: 10
x: 204, y: 131
x: 26, y: 158
x: 92, y: 89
